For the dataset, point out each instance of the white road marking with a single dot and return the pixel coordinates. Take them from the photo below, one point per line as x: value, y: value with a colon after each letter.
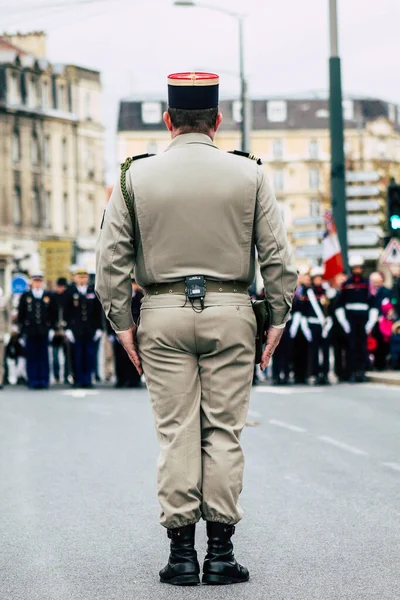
x: 287, y: 391
x: 333, y: 442
x: 394, y: 466
x: 80, y: 393
x: 287, y: 426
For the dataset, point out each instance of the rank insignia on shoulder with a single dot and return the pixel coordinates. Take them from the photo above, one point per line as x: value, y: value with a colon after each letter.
x: 125, y: 165
x: 246, y: 155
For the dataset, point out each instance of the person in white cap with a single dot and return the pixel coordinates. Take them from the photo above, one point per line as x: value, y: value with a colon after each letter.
x: 83, y: 318
x: 316, y: 306
x: 37, y: 318
x: 357, y: 313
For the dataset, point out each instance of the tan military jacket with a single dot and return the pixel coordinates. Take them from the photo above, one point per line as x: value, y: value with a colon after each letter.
x: 199, y: 211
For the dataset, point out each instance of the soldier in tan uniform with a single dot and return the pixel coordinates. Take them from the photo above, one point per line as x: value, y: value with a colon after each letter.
x: 189, y: 220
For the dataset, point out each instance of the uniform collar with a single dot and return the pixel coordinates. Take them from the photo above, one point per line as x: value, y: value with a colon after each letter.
x: 191, y: 138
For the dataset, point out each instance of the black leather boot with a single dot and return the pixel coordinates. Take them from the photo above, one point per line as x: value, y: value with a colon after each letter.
x: 183, y: 567
x: 220, y: 566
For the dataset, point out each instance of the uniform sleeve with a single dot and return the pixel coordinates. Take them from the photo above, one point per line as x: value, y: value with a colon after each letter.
x: 21, y: 311
x: 278, y: 268
x: 115, y: 258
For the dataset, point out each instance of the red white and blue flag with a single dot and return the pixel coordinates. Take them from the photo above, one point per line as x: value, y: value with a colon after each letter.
x: 331, y: 251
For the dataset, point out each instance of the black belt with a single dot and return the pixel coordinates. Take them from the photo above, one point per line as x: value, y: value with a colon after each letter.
x: 179, y: 287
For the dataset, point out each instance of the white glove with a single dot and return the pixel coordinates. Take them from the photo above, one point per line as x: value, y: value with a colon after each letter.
x: 51, y: 335
x: 70, y: 336
x: 373, y: 317
x: 327, y: 327
x: 306, y: 329
x: 6, y: 338
x: 97, y: 335
x: 295, y: 325
x: 341, y: 317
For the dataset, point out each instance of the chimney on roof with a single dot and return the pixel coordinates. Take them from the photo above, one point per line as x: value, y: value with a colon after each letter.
x: 33, y: 43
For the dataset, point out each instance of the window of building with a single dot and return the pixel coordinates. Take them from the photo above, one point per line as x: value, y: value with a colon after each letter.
x: 35, y: 208
x: 16, y: 147
x: 61, y: 97
x: 23, y: 87
x: 276, y: 111
x: 151, y: 112
x: 277, y: 148
x: 92, y: 213
x: 47, y: 210
x: 64, y: 154
x: 313, y: 178
x: 14, y: 95
x: 315, y: 208
x: 34, y: 92
x: 348, y: 110
x: 35, y: 149
x: 47, y: 151
x: 382, y: 148
x: 152, y: 147
x: 66, y: 212
x: 237, y: 113
x: 90, y: 162
x: 45, y: 94
x: 17, y: 206
x: 313, y: 149
x: 279, y: 180
x: 348, y: 147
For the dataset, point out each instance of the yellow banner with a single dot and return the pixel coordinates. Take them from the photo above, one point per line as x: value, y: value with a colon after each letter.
x: 55, y: 257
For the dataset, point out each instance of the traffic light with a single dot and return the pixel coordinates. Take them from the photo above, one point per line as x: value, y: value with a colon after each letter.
x: 393, y: 207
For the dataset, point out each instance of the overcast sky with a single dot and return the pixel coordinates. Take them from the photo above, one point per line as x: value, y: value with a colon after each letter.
x: 136, y: 43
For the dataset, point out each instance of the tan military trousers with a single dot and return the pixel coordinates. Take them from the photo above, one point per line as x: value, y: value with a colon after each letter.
x: 199, y: 369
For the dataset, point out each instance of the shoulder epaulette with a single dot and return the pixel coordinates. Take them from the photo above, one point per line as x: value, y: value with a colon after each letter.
x: 125, y: 165
x: 246, y: 155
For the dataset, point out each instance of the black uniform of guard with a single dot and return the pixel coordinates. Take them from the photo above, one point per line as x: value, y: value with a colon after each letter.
x: 83, y: 317
x: 300, y: 344
x: 357, y: 313
x: 37, y: 315
x: 337, y: 338
x: 315, y: 305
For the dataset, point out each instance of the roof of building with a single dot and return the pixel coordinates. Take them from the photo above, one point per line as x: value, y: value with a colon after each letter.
x: 5, y: 45
x: 299, y: 113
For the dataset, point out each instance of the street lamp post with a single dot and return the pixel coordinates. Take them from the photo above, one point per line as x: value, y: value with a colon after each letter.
x: 245, y: 124
x: 338, y: 174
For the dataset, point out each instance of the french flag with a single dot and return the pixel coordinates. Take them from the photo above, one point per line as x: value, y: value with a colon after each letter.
x: 331, y: 251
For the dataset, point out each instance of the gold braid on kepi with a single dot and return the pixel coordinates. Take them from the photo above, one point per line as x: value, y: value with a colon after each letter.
x: 246, y: 155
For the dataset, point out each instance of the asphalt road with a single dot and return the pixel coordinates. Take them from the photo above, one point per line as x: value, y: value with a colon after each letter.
x: 79, y: 514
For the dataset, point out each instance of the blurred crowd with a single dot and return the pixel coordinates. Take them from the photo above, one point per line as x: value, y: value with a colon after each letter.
x: 337, y: 331
x: 62, y: 336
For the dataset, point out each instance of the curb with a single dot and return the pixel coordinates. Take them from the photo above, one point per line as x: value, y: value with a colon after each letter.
x: 389, y: 378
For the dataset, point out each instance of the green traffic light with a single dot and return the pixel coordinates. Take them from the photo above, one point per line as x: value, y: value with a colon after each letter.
x: 395, y: 221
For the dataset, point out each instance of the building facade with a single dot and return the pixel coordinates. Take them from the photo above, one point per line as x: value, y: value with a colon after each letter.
x: 52, y: 187
x: 292, y: 138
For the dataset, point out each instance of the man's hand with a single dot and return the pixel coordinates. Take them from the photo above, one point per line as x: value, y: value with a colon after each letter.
x: 273, y: 338
x: 129, y: 341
